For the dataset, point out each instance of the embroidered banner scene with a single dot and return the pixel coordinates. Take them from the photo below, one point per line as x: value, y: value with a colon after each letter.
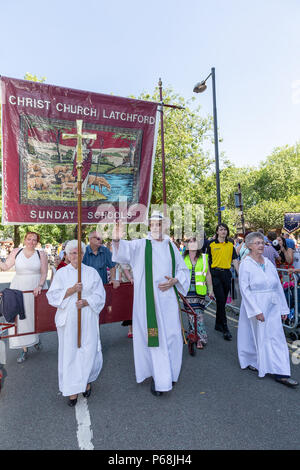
x: 39, y: 165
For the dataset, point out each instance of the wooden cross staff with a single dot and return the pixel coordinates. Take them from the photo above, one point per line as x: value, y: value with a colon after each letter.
x: 79, y: 136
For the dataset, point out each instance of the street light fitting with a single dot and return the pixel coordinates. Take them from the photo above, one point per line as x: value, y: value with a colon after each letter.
x: 200, y: 87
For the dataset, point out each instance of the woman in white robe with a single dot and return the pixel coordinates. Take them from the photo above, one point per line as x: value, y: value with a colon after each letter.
x: 77, y: 367
x: 262, y: 345
x: 162, y: 363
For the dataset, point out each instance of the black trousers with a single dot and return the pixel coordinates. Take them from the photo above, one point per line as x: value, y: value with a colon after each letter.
x: 221, y: 280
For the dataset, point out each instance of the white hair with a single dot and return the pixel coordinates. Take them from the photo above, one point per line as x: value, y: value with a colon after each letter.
x: 251, y: 237
x: 74, y: 244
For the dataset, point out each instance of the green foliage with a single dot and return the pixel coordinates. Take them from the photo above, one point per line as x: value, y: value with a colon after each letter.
x: 268, y: 191
x: 186, y: 163
x: 33, y: 78
x: 269, y: 214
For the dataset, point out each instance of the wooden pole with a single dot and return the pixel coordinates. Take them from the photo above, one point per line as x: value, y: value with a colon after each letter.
x: 162, y: 147
x: 79, y: 136
x: 79, y: 222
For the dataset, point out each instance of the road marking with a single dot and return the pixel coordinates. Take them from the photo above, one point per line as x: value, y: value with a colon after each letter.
x: 84, y: 431
x: 210, y: 312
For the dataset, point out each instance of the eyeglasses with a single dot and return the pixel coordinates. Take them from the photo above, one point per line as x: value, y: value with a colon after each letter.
x: 258, y: 243
x: 97, y: 238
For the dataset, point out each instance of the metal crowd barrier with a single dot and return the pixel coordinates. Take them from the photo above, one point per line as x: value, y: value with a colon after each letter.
x: 291, y: 289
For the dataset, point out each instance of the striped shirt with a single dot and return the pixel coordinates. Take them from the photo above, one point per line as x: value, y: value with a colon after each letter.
x: 270, y: 253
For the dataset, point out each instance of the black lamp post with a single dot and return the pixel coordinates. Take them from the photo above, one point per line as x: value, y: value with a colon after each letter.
x: 199, y: 88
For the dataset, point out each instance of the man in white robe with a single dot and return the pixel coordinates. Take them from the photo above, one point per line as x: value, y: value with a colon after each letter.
x: 163, y: 362
x: 261, y: 341
x: 77, y: 367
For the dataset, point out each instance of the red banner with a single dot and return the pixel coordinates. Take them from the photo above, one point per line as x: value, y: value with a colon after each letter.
x: 39, y: 166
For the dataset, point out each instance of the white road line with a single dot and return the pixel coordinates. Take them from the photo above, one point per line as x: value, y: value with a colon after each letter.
x: 210, y: 312
x: 84, y: 431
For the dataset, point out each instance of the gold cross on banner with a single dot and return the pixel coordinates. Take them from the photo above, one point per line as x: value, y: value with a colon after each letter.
x: 79, y: 136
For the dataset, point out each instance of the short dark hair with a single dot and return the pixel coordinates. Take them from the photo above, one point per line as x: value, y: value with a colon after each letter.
x: 272, y: 236
x: 225, y: 226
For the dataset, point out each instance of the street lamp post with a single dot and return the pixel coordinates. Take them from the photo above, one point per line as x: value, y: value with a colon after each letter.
x: 199, y: 88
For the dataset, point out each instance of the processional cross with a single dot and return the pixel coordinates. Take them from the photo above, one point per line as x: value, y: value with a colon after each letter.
x: 79, y: 137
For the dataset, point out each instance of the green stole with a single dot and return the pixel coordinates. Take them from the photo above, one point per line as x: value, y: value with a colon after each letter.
x: 150, y: 304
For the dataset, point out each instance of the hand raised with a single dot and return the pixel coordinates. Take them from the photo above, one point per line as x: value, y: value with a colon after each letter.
x: 118, y: 231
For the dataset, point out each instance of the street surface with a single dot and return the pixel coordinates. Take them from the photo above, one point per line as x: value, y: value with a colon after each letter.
x: 215, y: 405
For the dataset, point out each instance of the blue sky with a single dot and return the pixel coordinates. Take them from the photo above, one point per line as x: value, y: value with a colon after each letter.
x: 124, y: 47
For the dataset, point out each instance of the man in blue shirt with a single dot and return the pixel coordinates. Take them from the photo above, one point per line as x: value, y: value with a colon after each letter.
x: 100, y: 258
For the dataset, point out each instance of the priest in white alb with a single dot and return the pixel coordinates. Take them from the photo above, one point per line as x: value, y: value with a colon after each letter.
x: 262, y: 345
x: 157, y: 268
x: 77, y: 367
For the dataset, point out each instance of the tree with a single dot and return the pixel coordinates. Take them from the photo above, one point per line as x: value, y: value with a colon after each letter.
x: 268, y: 191
x: 270, y: 214
x: 187, y: 164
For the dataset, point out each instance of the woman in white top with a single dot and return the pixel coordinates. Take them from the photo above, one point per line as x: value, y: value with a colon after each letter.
x: 31, y: 274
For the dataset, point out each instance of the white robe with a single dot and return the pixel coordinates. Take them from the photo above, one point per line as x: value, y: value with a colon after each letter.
x: 77, y: 366
x: 163, y: 363
x: 262, y: 344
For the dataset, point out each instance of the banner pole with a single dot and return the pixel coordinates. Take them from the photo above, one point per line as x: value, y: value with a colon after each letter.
x: 162, y: 146
x: 79, y: 222
x: 79, y: 256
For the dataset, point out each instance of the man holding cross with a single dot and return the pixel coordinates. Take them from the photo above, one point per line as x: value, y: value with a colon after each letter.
x: 157, y: 268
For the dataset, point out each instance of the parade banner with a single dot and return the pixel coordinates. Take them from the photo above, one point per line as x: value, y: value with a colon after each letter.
x: 291, y: 221
x: 39, y: 166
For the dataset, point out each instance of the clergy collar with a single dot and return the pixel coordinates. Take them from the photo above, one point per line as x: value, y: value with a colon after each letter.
x: 165, y: 239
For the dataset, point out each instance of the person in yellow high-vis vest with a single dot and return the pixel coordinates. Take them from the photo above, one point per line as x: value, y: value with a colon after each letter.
x: 200, y: 276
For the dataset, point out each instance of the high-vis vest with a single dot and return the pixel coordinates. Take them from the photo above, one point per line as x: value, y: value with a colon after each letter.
x: 201, y: 269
